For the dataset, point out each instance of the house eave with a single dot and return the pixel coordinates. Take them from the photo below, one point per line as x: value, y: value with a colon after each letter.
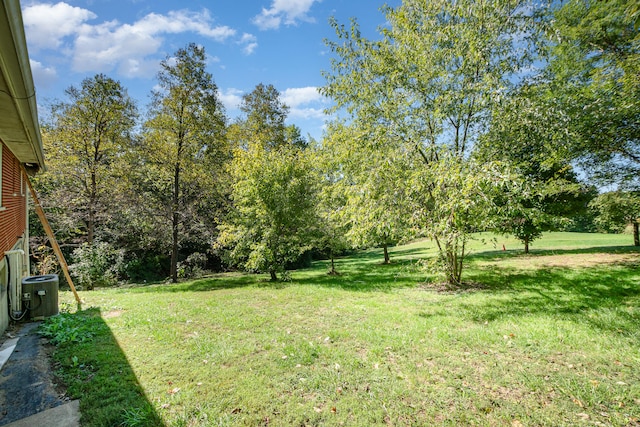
x: 19, y: 128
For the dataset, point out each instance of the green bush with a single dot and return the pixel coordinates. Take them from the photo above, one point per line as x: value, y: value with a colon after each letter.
x: 194, y: 266
x: 145, y: 267
x: 97, y: 264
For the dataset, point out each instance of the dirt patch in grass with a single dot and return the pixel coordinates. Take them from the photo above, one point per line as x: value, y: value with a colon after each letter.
x: 446, y: 288
x: 113, y: 313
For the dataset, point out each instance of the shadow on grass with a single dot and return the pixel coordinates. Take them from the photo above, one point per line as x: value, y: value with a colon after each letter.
x: 211, y: 283
x: 606, y: 297
x: 413, y: 252
x: 365, y: 272
x: 374, y: 277
x: 95, y: 370
x: 516, y: 253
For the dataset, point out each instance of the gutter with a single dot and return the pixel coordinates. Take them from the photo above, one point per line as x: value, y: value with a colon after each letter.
x: 17, y: 73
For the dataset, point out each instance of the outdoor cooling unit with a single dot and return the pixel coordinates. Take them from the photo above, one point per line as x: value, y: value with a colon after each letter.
x: 40, y: 295
x: 36, y: 296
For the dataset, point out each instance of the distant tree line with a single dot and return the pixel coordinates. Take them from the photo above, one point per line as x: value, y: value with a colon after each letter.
x: 465, y: 116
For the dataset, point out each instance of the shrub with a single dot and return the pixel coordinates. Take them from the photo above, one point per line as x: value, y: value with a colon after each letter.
x: 193, y: 266
x: 97, y: 264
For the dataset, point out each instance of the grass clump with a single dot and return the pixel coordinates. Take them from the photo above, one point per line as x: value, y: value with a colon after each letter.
x: 550, y: 338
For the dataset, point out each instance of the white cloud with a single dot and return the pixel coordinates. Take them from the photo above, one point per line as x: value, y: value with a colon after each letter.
x: 48, y: 24
x: 42, y: 76
x: 231, y: 98
x: 295, y: 97
x: 212, y: 59
x: 307, y: 113
x: 125, y: 46
x: 264, y: 21
x: 181, y: 21
x: 250, y: 43
x: 289, y: 12
x: 304, y: 102
x: 128, y: 48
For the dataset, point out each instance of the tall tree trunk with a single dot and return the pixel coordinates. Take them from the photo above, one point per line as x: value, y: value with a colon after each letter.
x: 174, y: 224
x: 274, y: 277
x: 636, y: 234
x: 526, y: 244
x: 385, y: 248
x: 91, y: 222
x: 333, y: 265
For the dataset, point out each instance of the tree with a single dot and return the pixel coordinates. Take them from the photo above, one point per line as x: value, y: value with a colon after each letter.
x: 427, y: 88
x: 617, y: 209
x: 595, y: 72
x: 264, y: 120
x: 331, y: 229
x: 274, y: 196
x: 265, y: 116
x: 185, y: 128
x: 84, y: 142
x: 520, y: 134
x: 368, y: 183
x: 331, y: 202
x: 456, y: 199
x: 538, y: 206
x: 272, y: 222
x: 523, y: 215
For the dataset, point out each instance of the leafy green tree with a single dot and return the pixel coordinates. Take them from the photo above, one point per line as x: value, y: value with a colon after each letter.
x: 538, y: 206
x: 427, y: 88
x: 83, y: 142
x: 184, y: 132
x: 273, y: 220
x: 96, y: 264
x: 595, y: 72
x: 369, y: 185
x: 523, y: 215
x: 617, y: 209
x: 264, y: 120
x: 456, y: 199
x: 520, y: 135
x: 265, y: 116
x: 331, y: 201
x: 331, y: 204
x: 331, y: 229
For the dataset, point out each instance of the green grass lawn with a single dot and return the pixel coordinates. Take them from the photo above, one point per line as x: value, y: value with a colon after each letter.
x: 547, y: 339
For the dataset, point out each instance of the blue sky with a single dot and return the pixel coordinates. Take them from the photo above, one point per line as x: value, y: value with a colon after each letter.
x: 277, y: 42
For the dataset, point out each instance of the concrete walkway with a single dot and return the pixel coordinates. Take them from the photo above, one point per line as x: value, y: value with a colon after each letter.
x: 67, y: 415
x: 28, y: 396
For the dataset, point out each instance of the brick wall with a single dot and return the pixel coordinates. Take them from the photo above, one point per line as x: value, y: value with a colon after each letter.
x: 13, y: 203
